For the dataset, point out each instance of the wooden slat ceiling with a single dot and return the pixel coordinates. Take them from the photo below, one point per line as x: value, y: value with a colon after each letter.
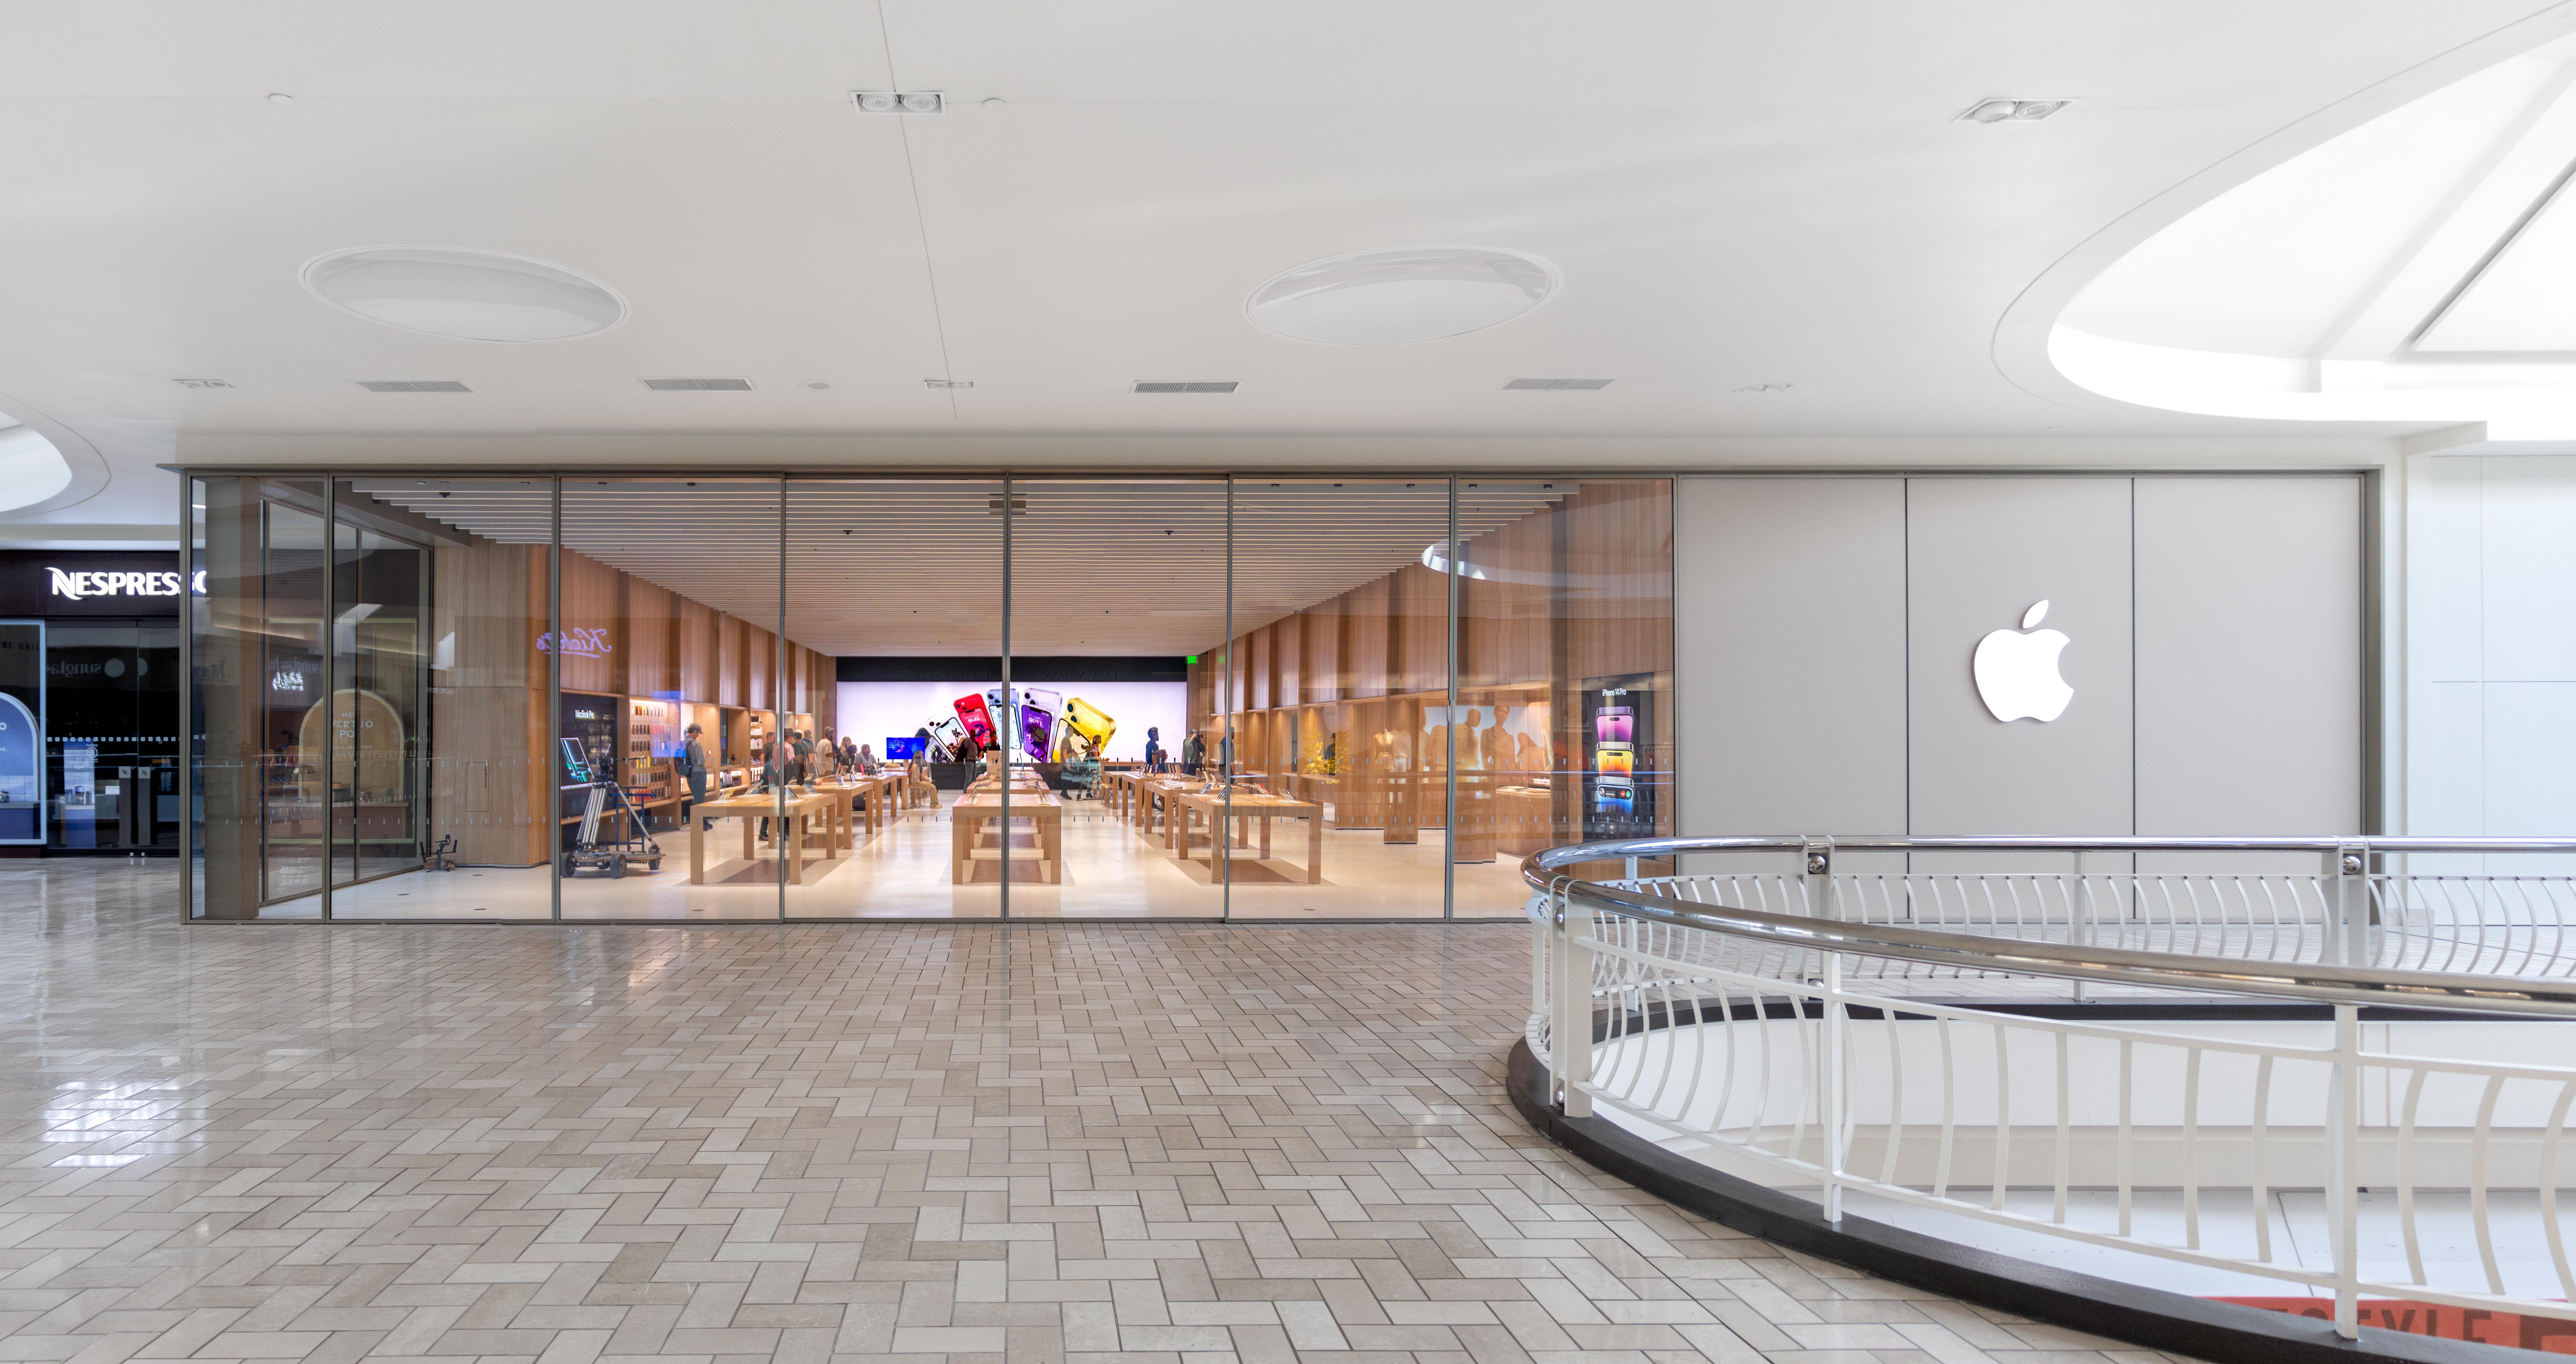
x: 892, y: 567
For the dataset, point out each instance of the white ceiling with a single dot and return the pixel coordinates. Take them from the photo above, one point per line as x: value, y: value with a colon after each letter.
x: 1736, y: 195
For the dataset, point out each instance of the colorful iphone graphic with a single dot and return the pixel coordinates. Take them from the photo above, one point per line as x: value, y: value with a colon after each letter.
x: 1038, y: 708
x: 1089, y: 723
x: 1620, y: 761
x: 945, y: 735
x: 1614, y: 725
x: 978, y: 721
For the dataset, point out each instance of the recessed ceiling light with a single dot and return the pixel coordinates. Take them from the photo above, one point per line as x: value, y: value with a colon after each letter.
x: 698, y: 385
x: 202, y: 383
x: 1401, y: 295
x: 281, y: 98
x: 899, y: 101
x: 1186, y: 386
x: 947, y: 383
x: 413, y: 386
x: 818, y: 385
x: 1762, y: 388
x: 464, y: 295
x: 2013, y: 110
x: 1582, y: 385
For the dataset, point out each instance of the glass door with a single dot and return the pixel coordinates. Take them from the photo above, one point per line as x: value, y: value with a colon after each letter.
x: 1339, y: 678
x: 898, y: 585
x: 1118, y: 699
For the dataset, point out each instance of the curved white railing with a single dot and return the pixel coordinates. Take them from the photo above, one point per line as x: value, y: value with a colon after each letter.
x: 1867, y: 1034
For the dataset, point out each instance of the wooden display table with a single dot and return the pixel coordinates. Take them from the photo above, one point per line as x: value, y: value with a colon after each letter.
x: 1216, y: 809
x: 877, y: 797
x: 1163, y: 792
x: 798, y: 813
x: 976, y: 809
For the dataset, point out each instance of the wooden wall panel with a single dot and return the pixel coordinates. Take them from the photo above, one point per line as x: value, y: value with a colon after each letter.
x: 729, y: 661
x: 1258, y: 660
x: 1287, y: 655
x: 1367, y: 631
x: 1319, y: 652
x: 760, y: 672
x: 650, y: 669
x: 487, y: 771
x: 593, y: 601
x: 696, y: 648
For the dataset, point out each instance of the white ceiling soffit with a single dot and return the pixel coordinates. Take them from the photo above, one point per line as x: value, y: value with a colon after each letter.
x: 31, y: 469
x: 2418, y: 269
x: 2524, y: 300
x: 1735, y: 196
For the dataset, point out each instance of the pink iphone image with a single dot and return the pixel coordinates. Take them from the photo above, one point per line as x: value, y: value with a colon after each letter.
x: 978, y: 721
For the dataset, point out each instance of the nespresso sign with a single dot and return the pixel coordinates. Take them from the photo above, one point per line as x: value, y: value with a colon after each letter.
x: 91, y: 583
x: 82, y: 584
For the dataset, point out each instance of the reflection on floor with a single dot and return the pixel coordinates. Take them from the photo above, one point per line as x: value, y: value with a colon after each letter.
x: 1112, y: 870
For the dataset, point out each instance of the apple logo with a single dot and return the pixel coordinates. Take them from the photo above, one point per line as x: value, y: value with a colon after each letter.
x: 2017, y: 673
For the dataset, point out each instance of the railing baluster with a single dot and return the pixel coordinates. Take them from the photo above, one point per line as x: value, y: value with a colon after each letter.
x: 2478, y: 1152
x: 2549, y: 1146
x: 2406, y: 1173
x: 2262, y: 1193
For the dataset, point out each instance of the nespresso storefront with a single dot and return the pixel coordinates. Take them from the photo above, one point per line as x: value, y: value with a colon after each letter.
x: 89, y: 703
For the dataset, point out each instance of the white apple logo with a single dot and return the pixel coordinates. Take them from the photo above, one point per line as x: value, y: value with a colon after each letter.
x: 2017, y: 673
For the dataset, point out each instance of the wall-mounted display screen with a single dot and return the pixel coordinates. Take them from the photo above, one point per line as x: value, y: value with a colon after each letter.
x: 1619, y: 801
x: 904, y: 750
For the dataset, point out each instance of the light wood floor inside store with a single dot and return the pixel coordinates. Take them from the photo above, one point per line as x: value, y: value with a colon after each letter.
x: 1112, y: 870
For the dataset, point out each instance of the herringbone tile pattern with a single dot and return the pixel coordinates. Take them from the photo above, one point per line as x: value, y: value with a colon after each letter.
x: 812, y: 1144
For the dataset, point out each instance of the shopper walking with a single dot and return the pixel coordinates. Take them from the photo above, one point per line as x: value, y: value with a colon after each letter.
x: 1153, y: 749
x: 693, y: 766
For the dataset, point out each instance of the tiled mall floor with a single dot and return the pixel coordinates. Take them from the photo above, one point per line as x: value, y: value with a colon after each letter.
x: 1088, y: 1142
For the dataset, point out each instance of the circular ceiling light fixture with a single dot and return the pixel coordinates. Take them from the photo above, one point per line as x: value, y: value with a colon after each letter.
x: 467, y: 295
x: 1402, y: 294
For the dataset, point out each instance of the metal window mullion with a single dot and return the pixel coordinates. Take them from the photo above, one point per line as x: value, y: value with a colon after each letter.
x: 330, y: 685
x: 1449, y: 865
x: 551, y: 821
x: 1005, y: 727
x: 188, y: 760
x: 778, y: 724
x: 1220, y: 851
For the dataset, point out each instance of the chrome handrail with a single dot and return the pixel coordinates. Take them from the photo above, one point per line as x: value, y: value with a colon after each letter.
x: 2125, y: 966
x: 1863, y: 1092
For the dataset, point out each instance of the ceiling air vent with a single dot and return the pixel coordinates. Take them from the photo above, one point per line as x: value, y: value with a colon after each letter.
x: 698, y: 385
x: 1557, y: 383
x: 413, y: 386
x: 1192, y: 386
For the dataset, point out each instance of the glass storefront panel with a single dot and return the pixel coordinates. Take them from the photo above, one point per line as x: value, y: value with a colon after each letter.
x: 1335, y: 689
x: 903, y: 579
x: 259, y: 686
x: 23, y: 784
x: 682, y: 718
x: 111, y: 704
x: 1564, y: 718
x: 438, y: 699
x: 1114, y: 583
x: 1265, y: 699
